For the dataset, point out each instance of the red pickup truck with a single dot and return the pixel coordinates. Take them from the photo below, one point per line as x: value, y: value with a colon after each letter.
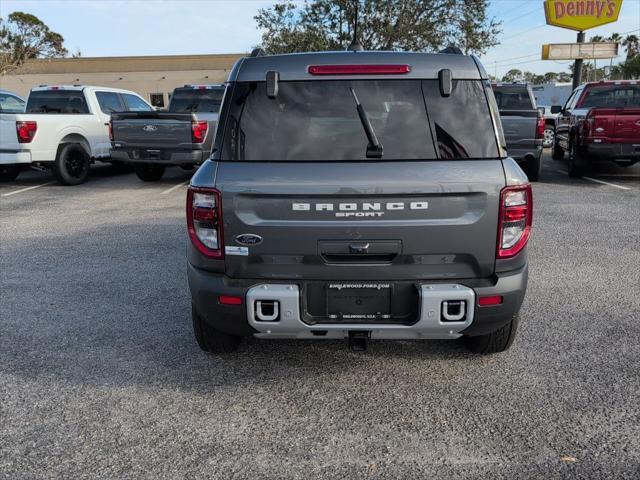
x: 600, y: 121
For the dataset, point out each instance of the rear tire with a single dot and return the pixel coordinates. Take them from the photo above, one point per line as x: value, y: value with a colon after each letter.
x: 557, y: 152
x: 549, y: 137
x: 8, y: 173
x: 72, y: 164
x: 495, y: 342
x: 150, y: 173
x: 575, y: 164
x: 211, y: 340
x: 533, y: 168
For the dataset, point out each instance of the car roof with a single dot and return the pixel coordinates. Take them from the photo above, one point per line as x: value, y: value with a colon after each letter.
x: 76, y: 87
x: 295, y: 66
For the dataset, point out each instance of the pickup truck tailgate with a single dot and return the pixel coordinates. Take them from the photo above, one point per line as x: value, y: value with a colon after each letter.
x: 627, y: 129
x: 349, y: 220
x: 151, y: 129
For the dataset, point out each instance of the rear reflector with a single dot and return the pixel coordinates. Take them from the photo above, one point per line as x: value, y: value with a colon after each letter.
x: 229, y: 300
x: 490, y: 301
x: 358, y: 69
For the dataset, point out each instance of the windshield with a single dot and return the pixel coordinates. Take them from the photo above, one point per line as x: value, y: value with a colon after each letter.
x: 318, y: 120
x: 513, y: 98
x: 613, y: 96
x: 57, y: 101
x: 190, y: 100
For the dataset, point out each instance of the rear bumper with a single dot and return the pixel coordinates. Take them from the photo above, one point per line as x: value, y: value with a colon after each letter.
x: 614, y: 151
x: 10, y: 157
x: 206, y: 287
x: 162, y: 157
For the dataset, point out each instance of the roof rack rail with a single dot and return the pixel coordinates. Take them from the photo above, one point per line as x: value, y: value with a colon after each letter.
x: 258, y: 52
x: 452, y: 50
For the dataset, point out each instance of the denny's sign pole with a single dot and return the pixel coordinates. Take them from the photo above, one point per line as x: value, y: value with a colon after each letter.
x: 581, y: 15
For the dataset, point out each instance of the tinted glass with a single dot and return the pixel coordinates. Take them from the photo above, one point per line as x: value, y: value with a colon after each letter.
x: 136, y: 104
x: 614, y: 96
x: 109, y: 102
x: 318, y: 120
x: 513, y: 98
x: 190, y: 100
x: 462, y: 122
x: 11, y: 103
x: 57, y: 101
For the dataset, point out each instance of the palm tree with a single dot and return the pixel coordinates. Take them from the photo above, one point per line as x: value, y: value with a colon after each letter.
x: 632, y: 44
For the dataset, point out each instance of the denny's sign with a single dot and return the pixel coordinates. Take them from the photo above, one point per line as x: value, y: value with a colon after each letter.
x: 581, y: 14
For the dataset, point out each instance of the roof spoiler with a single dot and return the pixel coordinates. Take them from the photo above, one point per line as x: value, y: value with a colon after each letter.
x: 258, y: 52
x: 452, y: 50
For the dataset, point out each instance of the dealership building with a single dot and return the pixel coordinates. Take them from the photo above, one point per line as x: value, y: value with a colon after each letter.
x: 152, y: 77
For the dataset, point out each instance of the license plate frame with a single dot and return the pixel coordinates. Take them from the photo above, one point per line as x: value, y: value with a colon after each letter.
x: 359, y: 302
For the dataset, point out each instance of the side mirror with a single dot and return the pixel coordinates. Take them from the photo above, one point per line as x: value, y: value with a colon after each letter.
x: 556, y: 109
x: 446, y: 82
x: 273, y: 78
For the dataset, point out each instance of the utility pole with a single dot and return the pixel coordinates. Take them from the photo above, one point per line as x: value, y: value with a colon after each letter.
x: 577, y: 66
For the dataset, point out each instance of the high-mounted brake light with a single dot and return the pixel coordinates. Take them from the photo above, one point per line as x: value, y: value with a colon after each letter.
x: 358, y: 69
x: 515, y: 220
x: 26, y: 131
x: 204, y: 221
x: 198, y: 131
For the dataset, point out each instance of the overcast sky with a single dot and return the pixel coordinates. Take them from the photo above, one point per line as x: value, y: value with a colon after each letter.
x: 173, y: 27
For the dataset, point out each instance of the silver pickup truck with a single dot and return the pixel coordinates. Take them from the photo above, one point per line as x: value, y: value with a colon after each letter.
x: 358, y: 195
x: 181, y: 136
x: 523, y: 125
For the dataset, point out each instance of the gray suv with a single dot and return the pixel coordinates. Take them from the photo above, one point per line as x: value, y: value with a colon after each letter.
x: 358, y: 195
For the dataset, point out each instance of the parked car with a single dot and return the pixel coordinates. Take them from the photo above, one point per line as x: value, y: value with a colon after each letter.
x: 181, y: 136
x: 523, y: 126
x: 600, y: 121
x: 358, y: 195
x: 11, y: 102
x: 64, y: 128
x: 549, y: 126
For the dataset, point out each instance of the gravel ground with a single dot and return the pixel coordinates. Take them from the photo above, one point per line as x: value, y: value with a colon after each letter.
x: 100, y: 376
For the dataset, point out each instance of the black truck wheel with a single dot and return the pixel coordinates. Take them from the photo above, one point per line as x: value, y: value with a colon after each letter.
x: 72, y: 164
x: 149, y: 173
x: 533, y: 168
x: 494, y: 342
x: 9, y: 173
x: 211, y: 340
x: 558, y: 152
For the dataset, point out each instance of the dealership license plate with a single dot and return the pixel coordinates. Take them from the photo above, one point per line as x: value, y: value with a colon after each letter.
x: 359, y: 301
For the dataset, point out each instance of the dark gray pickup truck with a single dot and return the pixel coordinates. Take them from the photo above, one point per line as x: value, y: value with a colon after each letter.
x: 523, y: 125
x: 181, y: 136
x: 358, y: 195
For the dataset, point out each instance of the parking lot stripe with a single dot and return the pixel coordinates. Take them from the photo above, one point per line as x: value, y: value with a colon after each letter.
x: 606, y: 183
x: 26, y: 189
x: 169, y: 190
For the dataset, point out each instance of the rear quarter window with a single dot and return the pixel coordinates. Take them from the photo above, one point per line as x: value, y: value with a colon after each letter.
x: 57, y: 101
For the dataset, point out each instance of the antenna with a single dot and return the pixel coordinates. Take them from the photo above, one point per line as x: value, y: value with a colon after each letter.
x: 355, y: 46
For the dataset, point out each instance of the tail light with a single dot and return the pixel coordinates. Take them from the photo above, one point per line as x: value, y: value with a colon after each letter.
x: 540, y: 128
x: 198, y: 131
x: 26, y: 131
x: 110, y: 126
x: 516, y: 217
x: 204, y: 221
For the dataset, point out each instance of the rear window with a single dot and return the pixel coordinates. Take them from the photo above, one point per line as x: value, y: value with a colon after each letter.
x: 189, y: 100
x: 510, y: 98
x: 318, y: 120
x: 57, y: 101
x: 615, y: 96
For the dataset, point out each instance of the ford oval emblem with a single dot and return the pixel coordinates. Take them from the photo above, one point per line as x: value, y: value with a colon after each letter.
x: 150, y: 128
x: 248, y: 239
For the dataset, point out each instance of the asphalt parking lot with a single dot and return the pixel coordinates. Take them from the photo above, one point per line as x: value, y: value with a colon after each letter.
x: 100, y: 376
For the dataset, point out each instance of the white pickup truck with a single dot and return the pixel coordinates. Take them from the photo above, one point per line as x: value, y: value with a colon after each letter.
x: 64, y: 128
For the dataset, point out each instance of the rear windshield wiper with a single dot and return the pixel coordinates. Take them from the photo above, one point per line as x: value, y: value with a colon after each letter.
x: 374, y: 148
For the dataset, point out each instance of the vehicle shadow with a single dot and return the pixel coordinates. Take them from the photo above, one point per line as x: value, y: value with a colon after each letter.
x: 91, y: 309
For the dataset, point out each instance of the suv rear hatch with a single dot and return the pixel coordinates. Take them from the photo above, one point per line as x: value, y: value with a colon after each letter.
x: 296, y: 206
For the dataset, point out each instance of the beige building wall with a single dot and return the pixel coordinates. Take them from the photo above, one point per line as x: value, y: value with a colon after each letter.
x: 144, y: 75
